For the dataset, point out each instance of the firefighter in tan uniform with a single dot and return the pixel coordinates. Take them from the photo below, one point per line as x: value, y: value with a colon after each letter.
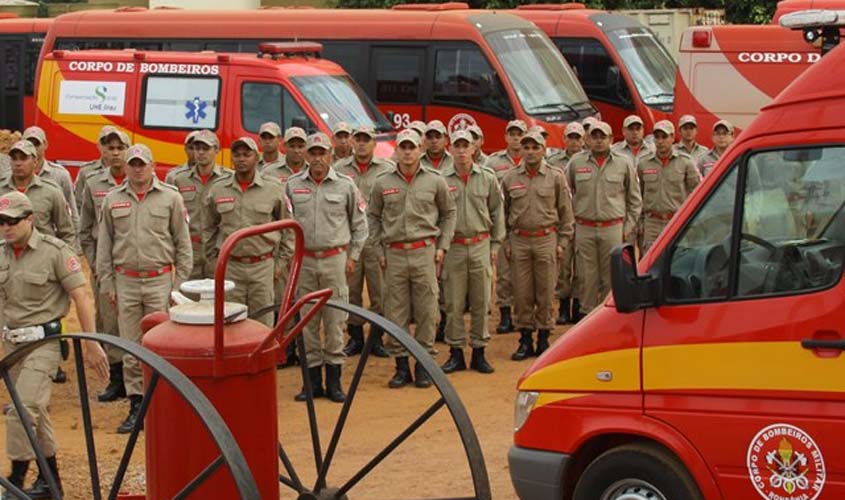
x: 242, y: 200
x: 51, y: 211
x: 569, y: 307
x: 270, y: 135
x: 333, y: 217
x: 468, y: 266
x: 688, y: 127
x: 38, y: 276
x: 723, y: 137
x: 436, y: 156
x: 634, y: 147
x: 607, y: 204
x: 538, y: 206
x: 52, y: 171
x: 363, y: 168
x: 667, y: 177
x: 194, y: 184
x: 190, y: 157
x: 92, y: 167
x: 96, y: 188
x: 501, y: 162
x: 479, y: 158
x: 411, y: 222
x: 343, y: 146
x: 143, y: 251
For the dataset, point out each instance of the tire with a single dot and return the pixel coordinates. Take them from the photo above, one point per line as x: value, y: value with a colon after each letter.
x: 636, y: 471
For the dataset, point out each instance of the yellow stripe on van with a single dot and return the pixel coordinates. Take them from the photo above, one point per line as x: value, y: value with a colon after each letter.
x: 589, y: 373
x: 547, y: 398
x: 775, y: 366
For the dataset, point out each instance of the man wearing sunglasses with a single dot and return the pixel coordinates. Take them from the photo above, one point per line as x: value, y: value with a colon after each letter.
x: 52, y: 171
x: 39, y: 274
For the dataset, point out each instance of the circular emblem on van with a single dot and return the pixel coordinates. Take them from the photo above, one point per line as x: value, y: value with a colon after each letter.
x: 785, y: 463
x: 461, y: 121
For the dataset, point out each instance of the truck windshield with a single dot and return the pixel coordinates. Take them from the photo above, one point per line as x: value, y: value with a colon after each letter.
x: 337, y: 98
x: 543, y: 82
x: 650, y: 65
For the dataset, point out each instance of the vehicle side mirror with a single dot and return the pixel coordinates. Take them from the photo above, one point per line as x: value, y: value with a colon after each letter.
x: 631, y: 291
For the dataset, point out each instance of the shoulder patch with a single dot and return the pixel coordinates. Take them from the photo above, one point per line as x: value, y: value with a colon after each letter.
x: 72, y: 264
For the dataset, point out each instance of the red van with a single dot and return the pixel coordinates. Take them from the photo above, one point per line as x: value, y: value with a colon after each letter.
x: 716, y: 369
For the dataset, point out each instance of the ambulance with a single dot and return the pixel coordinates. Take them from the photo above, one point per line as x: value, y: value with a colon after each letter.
x: 715, y: 370
x: 159, y: 97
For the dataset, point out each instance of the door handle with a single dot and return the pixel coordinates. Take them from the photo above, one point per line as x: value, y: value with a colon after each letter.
x: 838, y: 344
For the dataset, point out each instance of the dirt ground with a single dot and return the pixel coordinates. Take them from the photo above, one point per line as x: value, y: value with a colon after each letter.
x: 430, y: 464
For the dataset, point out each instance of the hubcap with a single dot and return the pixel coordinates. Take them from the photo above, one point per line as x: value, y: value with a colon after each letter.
x: 632, y: 489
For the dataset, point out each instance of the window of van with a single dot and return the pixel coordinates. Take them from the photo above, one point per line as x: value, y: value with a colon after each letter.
x: 464, y: 77
x: 336, y: 98
x: 787, y: 237
x: 596, y: 70
x: 178, y: 102
x: 270, y: 102
x: 397, y: 73
x: 649, y: 63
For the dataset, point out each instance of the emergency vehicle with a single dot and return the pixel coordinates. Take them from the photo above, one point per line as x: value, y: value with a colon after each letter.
x: 158, y: 97
x: 20, y: 44
x: 715, y: 370
x: 416, y: 61
x: 621, y: 64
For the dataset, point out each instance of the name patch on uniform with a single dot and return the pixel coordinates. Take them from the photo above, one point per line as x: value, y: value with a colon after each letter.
x: 502, y: 167
x: 225, y: 199
x: 283, y: 178
x: 362, y: 204
x: 391, y: 191
x: 184, y: 189
x: 121, y: 204
x: 453, y: 188
x: 516, y: 186
x: 302, y: 191
x: 100, y: 194
x: 72, y: 264
x: 649, y: 171
x: 583, y: 170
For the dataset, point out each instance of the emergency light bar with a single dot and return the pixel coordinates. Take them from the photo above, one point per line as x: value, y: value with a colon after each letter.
x: 813, y: 19
x: 288, y: 49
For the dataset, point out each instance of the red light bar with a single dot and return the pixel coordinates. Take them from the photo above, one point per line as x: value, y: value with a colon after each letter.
x: 701, y: 38
x: 432, y: 6
x: 552, y: 6
x: 289, y: 48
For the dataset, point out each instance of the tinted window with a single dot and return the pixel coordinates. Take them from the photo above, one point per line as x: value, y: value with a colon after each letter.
x: 596, y: 70
x: 180, y: 102
x: 266, y: 102
x: 352, y: 56
x: 397, y: 73
x: 464, y: 77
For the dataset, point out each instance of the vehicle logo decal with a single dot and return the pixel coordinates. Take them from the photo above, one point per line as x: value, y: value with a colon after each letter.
x: 196, y: 110
x: 785, y: 463
x: 461, y: 121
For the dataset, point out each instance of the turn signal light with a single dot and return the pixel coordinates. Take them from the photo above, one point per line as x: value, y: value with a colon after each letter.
x: 701, y: 38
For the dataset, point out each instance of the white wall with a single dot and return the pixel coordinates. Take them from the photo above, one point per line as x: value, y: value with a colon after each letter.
x: 208, y: 4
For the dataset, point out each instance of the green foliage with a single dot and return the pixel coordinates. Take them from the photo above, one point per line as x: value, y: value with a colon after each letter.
x: 736, y: 12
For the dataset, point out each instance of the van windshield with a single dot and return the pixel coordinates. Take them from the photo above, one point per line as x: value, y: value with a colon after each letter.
x: 649, y: 64
x: 543, y: 82
x: 337, y: 98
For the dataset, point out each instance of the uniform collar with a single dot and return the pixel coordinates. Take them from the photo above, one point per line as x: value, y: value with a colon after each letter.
x: 451, y: 170
x: 257, y: 179
x: 420, y: 170
x: 610, y: 155
x: 446, y: 154
x: 653, y: 154
x: 216, y: 171
x: 33, y: 242
x: 35, y: 181
x: 156, y: 185
x: 330, y: 176
x: 542, y: 170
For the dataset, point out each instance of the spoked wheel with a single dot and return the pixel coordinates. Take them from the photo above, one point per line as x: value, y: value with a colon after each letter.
x: 230, y: 455
x: 324, y: 458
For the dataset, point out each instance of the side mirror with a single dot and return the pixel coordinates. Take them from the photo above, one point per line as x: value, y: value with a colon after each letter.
x: 631, y: 291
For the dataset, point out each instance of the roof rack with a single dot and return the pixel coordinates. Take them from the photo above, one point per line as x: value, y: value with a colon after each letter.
x: 552, y: 6
x: 432, y: 6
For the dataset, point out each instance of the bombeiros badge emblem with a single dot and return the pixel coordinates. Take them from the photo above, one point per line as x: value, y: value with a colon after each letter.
x: 785, y: 463
x: 461, y: 121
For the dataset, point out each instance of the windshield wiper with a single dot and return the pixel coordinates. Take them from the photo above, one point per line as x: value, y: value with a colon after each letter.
x: 559, y: 106
x: 660, y: 94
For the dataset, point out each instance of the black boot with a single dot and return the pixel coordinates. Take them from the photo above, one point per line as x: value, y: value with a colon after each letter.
x: 356, y: 340
x: 115, y: 390
x: 421, y: 378
x: 456, y: 362
x: 577, y: 315
x: 315, y: 373
x: 542, y: 342
x: 441, y: 328
x: 60, y: 377
x: 526, y: 346
x: 378, y: 349
x: 19, y: 469
x: 505, y: 324
x: 40, y: 488
x: 134, y: 412
x: 563, y: 316
x: 334, y: 390
x: 402, y: 377
x: 291, y: 358
x: 479, y: 362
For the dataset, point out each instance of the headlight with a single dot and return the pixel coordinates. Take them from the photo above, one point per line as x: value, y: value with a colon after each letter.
x: 524, y: 404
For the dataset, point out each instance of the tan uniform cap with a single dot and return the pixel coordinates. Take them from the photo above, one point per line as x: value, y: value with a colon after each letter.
x: 533, y: 136
x: 539, y: 129
x: 141, y: 152
x: 408, y: 135
x: 476, y: 131
x: 24, y: 147
x: 418, y: 126
x: 589, y: 122
x: 435, y: 126
x: 15, y: 204
x: 249, y: 142
x: 461, y: 135
x: 603, y: 127
x: 687, y: 120
x: 519, y: 124
x: 295, y: 133
x: 318, y: 140
x: 106, y: 131
x: 365, y: 130
x: 665, y: 126
x: 574, y: 128
x: 191, y: 136
x: 207, y: 137
x: 36, y: 133
x: 121, y: 136
x: 271, y: 128
x: 341, y: 127
x: 630, y: 120
x: 724, y: 123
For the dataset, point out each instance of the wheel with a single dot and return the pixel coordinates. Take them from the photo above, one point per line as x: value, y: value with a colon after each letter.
x: 636, y: 472
x: 324, y: 455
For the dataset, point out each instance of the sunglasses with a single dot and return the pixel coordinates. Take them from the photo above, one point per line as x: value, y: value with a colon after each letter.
x: 11, y: 221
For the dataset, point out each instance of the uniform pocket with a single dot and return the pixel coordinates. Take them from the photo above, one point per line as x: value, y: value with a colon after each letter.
x: 35, y: 284
x: 120, y: 219
x: 335, y: 203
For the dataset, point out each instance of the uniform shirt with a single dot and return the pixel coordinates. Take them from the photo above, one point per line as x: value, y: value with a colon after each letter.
x: 623, y: 148
x: 402, y: 211
x: 500, y: 163
x: 604, y: 193
x: 538, y: 202
x: 364, y: 180
x: 52, y: 213
x: 707, y: 161
x: 60, y: 176
x: 446, y: 161
x: 87, y: 169
x: 480, y: 159
x: 5, y: 164
x: 168, y: 178
x: 143, y: 235
x: 332, y: 213
x: 665, y: 187
x: 34, y: 287
x: 280, y: 170
x: 228, y: 208
x: 478, y: 203
x: 560, y: 159
x: 193, y: 192
x: 697, y: 151
x: 96, y: 189
x: 278, y: 162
